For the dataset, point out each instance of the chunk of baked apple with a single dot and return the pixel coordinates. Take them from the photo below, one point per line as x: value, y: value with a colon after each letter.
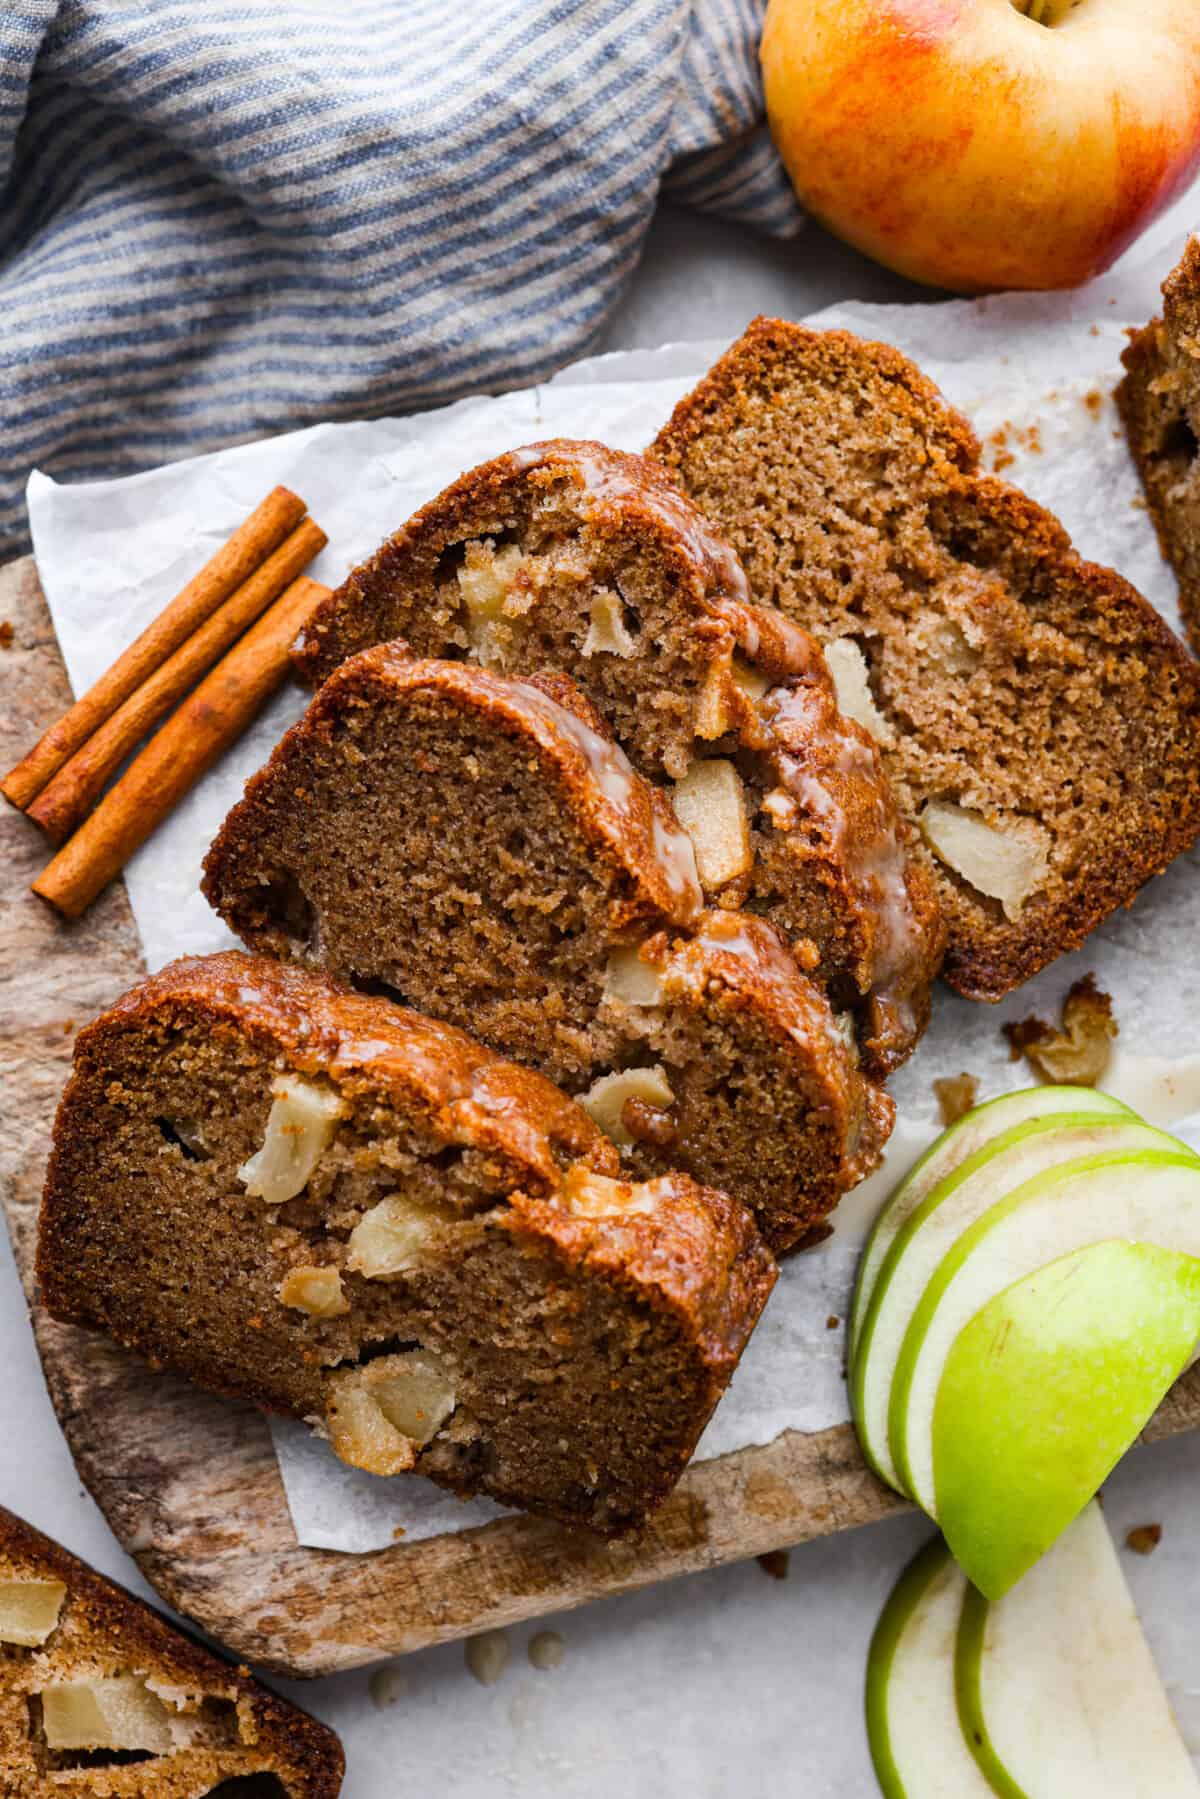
x: 710, y: 803
x: 300, y: 1128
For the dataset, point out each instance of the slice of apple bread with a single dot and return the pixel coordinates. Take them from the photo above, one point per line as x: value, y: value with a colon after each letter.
x: 1159, y: 402
x: 101, y: 1698
x: 575, y: 558
x: 313, y: 1200
x: 1040, y: 723
x: 479, y: 848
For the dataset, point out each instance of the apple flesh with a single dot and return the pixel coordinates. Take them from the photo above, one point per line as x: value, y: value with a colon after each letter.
x: 966, y: 144
x: 1049, y: 1693
x: 1044, y: 1391
x: 916, y: 1741
x: 962, y: 1139
x: 930, y: 1232
x: 1058, y: 1695
x: 1145, y: 1196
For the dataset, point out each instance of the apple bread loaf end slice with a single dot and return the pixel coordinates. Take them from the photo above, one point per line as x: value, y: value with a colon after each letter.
x: 315, y: 1201
x: 100, y: 1696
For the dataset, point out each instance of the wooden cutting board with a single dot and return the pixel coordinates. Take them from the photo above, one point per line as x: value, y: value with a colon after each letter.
x: 189, y: 1483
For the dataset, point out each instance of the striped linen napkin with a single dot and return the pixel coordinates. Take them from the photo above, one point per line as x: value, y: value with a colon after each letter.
x: 220, y: 218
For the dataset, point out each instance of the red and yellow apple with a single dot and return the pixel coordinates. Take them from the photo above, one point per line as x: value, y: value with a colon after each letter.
x: 982, y: 144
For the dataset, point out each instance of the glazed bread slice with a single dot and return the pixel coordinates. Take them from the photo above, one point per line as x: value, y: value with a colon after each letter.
x: 478, y: 847
x: 318, y: 1202
x: 571, y: 557
x: 1159, y: 401
x: 1038, y: 719
x: 101, y: 1698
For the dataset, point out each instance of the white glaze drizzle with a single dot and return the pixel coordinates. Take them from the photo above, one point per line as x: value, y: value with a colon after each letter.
x: 617, y: 781
x: 764, y: 955
x: 794, y: 659
x: 878, y: 864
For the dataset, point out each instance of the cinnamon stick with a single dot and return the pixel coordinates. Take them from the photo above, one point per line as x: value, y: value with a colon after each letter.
x: 66, y: 801
x: 212, y: 718
x: 251, y: 543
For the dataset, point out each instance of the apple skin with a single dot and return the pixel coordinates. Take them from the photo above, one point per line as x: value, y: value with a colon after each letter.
x: 949, y: 1209
x: 967, y: 146
x: 1045, y: 1390
x: 1057, y: 1689
x: 1148, y: 1196
x: 916, y: 1741
x: 966, y: 1137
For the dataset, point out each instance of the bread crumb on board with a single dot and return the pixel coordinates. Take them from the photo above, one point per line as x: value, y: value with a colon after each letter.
x: 1079, y: 1052
x: 1144, y: 1539
x: 546, y: 1649
x: 487, y: 1656
x: 775, y: 1562
x: 386, y: 1685
x: 956, y: 1094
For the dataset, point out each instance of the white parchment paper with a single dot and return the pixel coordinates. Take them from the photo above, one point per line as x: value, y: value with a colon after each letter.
x: 1035, y: 374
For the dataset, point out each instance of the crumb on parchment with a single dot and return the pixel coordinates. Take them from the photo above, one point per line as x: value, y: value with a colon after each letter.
x: 999, y: 450
x: 1144, y: 1539
x: 1079, y: 1052
x: 956, y: 1094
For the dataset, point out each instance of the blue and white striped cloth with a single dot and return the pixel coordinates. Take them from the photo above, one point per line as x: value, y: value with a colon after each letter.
x: 220, y: 218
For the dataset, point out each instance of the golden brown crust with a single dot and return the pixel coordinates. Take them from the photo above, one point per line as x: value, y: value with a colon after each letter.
x: 765, y: 340
x: 1047, y: 606
x: 830, y: 883
x: 744, y: 959
x: 543, y: 1268
x: 629, y: 825
x: 1159, y: 403
x: 694, y: 1256
x: 629, y: 492
x: 465, y: 1091
x: 461, y: 1092
x: 103, y: 1628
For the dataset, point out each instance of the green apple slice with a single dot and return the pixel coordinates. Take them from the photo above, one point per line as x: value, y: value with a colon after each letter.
x: 967, y: 1135
x: 916, y: 1742
x: 1044, y: 1391
x: 1148, y: 1195
x: 1058, y: 1694
x: 951, y: 1207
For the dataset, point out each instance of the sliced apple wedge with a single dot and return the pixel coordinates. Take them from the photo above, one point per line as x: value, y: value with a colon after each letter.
x: 1058, y: 1694
x: 931, y: 1231
x: 916, y: 1741
x: 1149, y: 1194
x: 1044, y: 1391
x: 963, y: 1139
